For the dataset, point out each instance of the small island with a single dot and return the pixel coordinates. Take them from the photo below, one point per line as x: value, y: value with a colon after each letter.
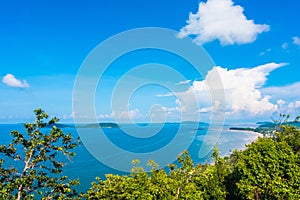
x: 92, y: 125
x: 97, y: 125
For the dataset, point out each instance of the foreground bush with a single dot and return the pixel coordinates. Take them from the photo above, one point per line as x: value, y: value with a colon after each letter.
x: 184, y: 182
x: 267, y: 169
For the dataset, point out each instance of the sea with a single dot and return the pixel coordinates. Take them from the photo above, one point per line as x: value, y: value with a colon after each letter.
x: 113, y: 152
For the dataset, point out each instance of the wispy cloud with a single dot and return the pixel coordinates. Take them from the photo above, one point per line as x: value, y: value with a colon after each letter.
x: 206, y: 109
x: 283, y: 92
x: 170, y: 94
x: 11, y: 81
x: 265, y: 52
x: 221, y: 20
x: 285, y: 45
x: 296, y: 41
x: 294, y: 105
x: 183, y: 82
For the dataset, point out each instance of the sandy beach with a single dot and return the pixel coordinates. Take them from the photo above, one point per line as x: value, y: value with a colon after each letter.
x: 245, y: 131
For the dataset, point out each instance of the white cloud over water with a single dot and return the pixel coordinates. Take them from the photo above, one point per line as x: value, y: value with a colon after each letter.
x: 11, y: 81
x: 221, y: 20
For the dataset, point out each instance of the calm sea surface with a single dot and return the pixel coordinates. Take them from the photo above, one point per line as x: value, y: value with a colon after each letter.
x: 85, y: 167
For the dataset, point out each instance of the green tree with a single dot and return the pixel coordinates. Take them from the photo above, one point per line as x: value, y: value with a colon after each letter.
x: 30, y: 166
x: 267, y: 169
x: 183, y: 178
x: 142, y: 185
x: 290, y: 135
x: 210, y: 179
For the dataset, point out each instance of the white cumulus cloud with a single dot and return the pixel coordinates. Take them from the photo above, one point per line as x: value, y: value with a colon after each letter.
x: 130, y: 114
x: 221, y: 20
x: 12, y: 81
x: 242, y: 88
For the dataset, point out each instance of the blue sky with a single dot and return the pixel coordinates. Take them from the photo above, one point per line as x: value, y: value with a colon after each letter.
x: 43, y: 44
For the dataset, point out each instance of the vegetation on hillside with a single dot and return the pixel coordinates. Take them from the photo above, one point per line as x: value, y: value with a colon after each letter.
x: 267, y: 169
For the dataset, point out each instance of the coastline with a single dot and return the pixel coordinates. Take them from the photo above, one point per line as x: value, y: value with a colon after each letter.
x: 247, y: 131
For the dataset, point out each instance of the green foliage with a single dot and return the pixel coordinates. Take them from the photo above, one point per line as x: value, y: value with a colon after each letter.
x: 31, y: 167
x: 268, y: 168
x: 290, y: 135
x: 182, y: 182
x: 211, y: 178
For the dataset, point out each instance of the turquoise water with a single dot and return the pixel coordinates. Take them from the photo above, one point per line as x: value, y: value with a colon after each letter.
x: 85, y: 167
